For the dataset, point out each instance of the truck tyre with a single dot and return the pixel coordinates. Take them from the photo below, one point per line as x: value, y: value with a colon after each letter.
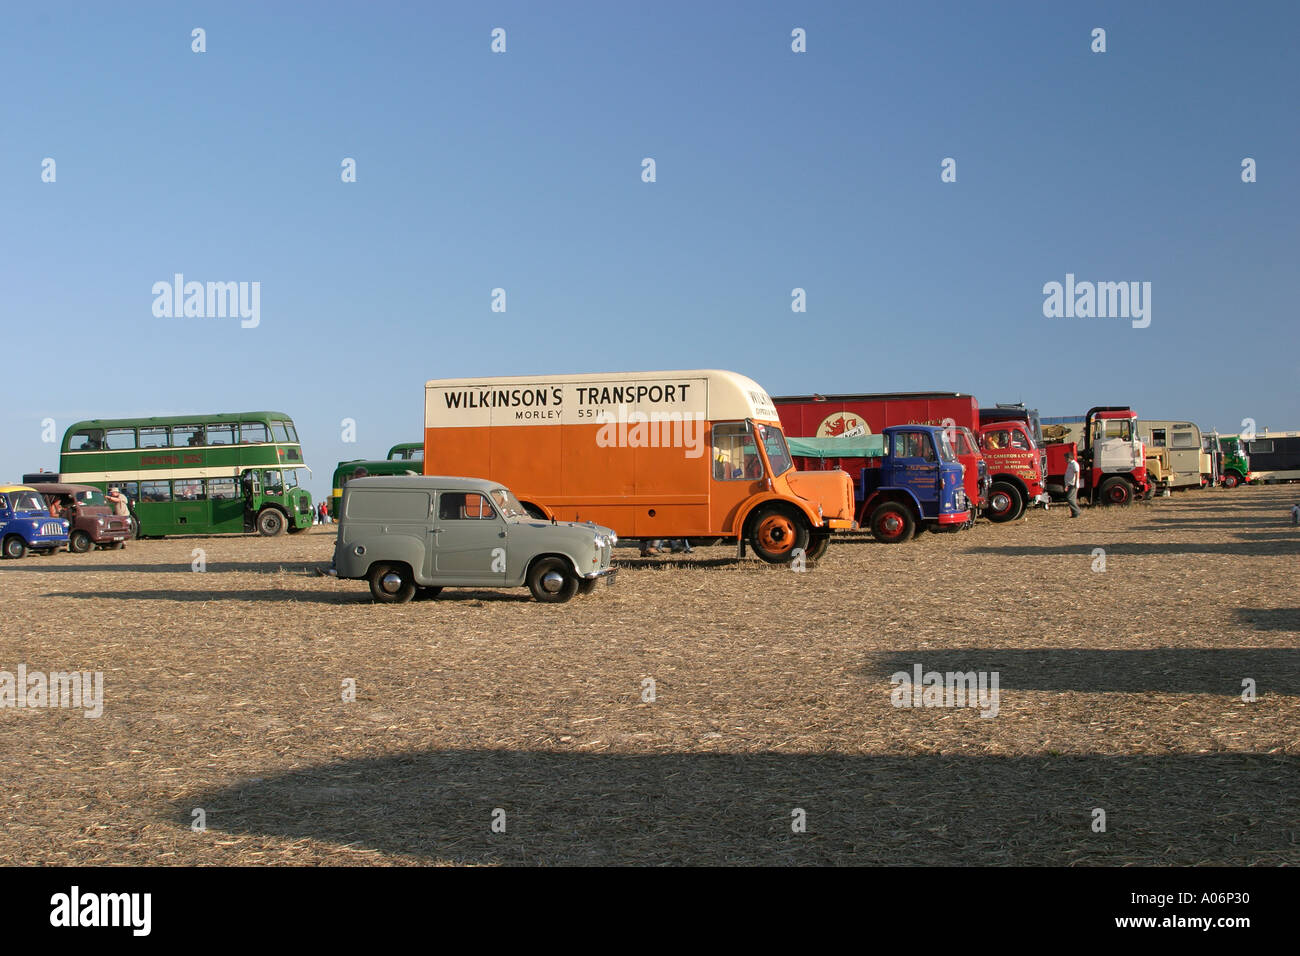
x: 80, y: 542
x: 391, y: 584
x: 892, y: 523
x: 818, y: 545
x: 775, y: 533
x: 1116, y: 491
x: 1005, y: 502
x: 1231, y: 480
x: 552, y: 581
x: 270, y: 522
x: 14, y: 547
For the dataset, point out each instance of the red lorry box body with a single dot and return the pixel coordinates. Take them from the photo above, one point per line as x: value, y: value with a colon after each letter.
x: 831, y: 416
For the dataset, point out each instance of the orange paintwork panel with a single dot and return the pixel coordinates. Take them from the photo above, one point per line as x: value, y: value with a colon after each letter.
x: 564, y: 468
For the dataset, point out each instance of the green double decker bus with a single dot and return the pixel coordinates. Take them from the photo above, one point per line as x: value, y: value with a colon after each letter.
x: 406, y: 458
x: 195, y: 474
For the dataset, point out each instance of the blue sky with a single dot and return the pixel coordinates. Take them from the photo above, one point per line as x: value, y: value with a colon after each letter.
x: 522, y: 171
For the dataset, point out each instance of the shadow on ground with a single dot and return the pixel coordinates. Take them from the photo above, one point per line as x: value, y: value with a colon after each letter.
x: 1269, y: 547
x: 360, y: 596
x: 707, y: 809
x: 213, y: 567
x: 1170, y: 670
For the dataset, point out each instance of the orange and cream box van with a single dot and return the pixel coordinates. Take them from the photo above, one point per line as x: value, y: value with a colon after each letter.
x: 698, y: 455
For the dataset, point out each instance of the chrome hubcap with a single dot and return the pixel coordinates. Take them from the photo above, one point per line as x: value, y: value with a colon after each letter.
x: 552, y: 581
x: 391, y: 582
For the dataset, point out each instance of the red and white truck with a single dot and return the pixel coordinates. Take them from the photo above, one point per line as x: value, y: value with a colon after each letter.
x: 1111, y: 456
x: 1004, y: 459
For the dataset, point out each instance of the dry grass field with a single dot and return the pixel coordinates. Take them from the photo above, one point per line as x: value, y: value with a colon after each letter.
x: 1119, y: 689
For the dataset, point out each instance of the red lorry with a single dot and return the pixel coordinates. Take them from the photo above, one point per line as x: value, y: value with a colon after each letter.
x: 1012, y: 441
x: 1112, y: 459
x: 1004, y: 461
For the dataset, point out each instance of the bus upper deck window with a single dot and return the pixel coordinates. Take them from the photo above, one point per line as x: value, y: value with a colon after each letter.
x: 253, y: 433
x: 119, y: 439
x: 187, y: 436
x: 90, y: 439
x: 154, y: 437
x: 221, y: 434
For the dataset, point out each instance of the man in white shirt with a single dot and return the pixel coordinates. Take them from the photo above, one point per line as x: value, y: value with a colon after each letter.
x: 1072, y: 484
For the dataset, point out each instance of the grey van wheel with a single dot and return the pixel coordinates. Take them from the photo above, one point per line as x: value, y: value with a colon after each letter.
x: 552, y: 581
x: 391, y: 584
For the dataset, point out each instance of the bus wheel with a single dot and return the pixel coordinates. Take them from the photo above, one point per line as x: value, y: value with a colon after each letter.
x: 819, y: 543
x: 14, y: 547
x: 1230, y: 480
x: 134, y: 527
x: 270, y: 522
x: 552, y: 581
x: 1005, y: 502
x: 1116, y: 491
x: 776, y: 533
x: 80, y: 542
x: 391, y: 584
x: 892, y: 523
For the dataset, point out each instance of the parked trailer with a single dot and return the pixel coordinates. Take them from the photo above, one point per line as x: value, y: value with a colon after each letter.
x: 834, y: 416
x: 912, y: 479
x: 695, y: 454
x: 1111, y: 457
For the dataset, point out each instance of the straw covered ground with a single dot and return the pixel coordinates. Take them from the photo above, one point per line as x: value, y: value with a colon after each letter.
x: 1120, y: 690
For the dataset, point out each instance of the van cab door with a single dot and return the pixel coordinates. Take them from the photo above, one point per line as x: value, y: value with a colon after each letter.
x: 467, y: 540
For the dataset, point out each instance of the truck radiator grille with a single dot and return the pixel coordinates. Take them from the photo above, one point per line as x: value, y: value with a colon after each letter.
x: 51, y: 528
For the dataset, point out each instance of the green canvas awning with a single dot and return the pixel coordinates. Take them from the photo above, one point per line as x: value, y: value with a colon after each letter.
x: 862, y: 446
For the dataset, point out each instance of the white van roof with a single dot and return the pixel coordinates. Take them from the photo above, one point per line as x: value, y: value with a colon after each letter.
x: 711, y: 394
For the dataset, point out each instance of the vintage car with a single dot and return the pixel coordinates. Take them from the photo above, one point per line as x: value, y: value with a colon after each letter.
x: 416, y: 533
x: 93, y: 522
x: 26, y: 523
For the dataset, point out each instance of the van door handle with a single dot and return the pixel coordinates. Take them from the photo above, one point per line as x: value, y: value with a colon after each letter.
x: 434, y: 530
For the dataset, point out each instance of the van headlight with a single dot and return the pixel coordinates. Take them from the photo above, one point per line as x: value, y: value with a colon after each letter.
x: 613, y: 539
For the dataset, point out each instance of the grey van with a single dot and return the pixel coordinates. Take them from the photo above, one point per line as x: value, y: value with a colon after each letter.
x: 420, y: 533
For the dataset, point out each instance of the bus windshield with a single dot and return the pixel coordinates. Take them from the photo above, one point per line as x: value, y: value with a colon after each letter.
x: 778, y: 453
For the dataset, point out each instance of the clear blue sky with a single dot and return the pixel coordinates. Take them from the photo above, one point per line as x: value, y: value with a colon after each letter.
x: 522, y: 170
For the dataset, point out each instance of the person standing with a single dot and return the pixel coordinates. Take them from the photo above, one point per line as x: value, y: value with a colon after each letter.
x: 1072, y: 484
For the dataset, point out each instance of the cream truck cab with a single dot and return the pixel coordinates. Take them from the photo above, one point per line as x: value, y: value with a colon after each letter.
x: 694, y: 454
